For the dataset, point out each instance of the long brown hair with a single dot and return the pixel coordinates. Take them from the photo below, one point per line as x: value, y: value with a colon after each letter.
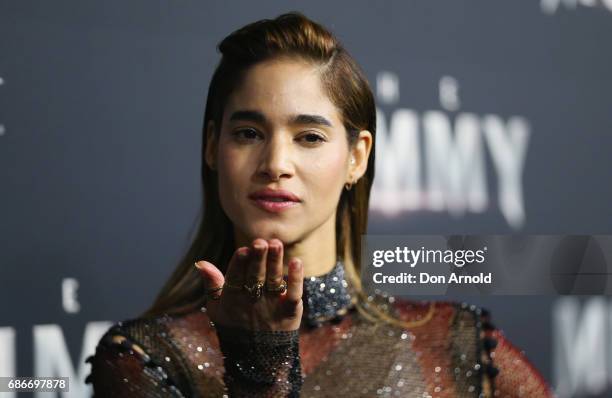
x: 289, y: 35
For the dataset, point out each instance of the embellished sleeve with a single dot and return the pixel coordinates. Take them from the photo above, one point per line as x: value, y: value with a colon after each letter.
x: 121, y: 369
x: 260, y: 363
x: 508, y: 372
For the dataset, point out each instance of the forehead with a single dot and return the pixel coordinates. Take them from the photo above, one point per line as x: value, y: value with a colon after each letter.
x: 280, y: 88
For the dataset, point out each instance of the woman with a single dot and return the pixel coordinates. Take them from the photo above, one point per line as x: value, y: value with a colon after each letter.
x: 274, y: 306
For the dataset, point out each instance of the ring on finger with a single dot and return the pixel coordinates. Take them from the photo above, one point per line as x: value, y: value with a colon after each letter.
x: 255, y: 289
x: 211, y: 293
x: 280, y: 288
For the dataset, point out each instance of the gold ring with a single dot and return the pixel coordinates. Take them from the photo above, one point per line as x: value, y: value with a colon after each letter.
x: 279, y: 289
x: 255, y: 289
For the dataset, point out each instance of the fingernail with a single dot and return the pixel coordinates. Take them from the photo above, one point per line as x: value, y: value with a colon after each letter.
x: 243, y: 252
x: 199, y: 265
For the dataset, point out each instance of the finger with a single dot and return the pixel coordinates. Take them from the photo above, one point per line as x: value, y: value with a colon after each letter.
x: 274, y: 263
x: 213, y: 278
x: 295, y: 282
x: 235, y: 273
x: 256, y: 268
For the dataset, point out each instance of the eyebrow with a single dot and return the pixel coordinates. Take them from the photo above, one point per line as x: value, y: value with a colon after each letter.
x: 258, y: 117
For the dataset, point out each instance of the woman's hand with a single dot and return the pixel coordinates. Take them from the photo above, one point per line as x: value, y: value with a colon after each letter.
x: 235, y: 306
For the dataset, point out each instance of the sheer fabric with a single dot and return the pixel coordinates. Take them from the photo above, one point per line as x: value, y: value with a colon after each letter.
x: 449, y: 350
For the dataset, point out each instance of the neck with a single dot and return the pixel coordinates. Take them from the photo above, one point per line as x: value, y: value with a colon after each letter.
x: 317, y: 250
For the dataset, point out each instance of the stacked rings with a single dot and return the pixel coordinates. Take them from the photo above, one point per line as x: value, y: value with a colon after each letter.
x: 255, y: 290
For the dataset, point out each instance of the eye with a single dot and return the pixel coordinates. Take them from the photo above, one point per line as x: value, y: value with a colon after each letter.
x: 246, y: 134
x: 313, y: 138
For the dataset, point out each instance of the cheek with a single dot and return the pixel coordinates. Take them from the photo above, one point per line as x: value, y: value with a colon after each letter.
x: 327, y: 171
x: 231, y: 168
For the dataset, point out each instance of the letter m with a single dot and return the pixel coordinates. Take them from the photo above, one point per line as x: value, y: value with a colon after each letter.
x: 52, y: 359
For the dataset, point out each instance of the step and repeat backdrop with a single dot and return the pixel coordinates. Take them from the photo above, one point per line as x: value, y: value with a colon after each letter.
x: 494, y: 117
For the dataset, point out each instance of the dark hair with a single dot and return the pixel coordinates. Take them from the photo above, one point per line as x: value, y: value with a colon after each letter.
x: 289, y: 35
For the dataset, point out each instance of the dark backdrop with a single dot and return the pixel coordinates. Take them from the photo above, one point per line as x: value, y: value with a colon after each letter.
x: 101, y: 105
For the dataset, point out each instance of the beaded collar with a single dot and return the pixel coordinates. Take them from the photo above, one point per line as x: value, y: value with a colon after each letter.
x: 326, y: 297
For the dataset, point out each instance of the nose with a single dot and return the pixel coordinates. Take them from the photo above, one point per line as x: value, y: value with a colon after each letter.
x: 275, y: 159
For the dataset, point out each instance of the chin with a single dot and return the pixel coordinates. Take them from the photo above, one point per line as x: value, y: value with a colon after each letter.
x: 269, y: 230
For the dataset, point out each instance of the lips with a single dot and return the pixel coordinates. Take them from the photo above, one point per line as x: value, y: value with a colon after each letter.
x: 276, y: 195
x: 274, y: 200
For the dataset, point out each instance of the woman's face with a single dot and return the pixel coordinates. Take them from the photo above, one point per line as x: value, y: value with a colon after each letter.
x: 280, y: 131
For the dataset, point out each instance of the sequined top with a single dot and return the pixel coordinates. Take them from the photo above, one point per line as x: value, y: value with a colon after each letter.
x: 427, y: 349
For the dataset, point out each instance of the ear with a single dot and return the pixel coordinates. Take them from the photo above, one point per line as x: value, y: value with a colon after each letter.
x: 211, y: 146
x: 358, y: 156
